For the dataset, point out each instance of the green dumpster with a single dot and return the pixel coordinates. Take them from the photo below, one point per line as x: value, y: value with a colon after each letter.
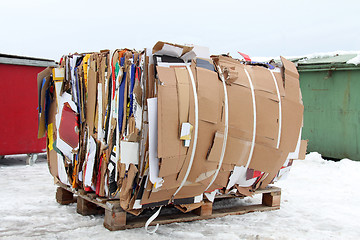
x: 331, y: 94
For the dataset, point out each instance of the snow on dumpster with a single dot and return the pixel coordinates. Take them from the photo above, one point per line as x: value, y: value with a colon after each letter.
x: 170, y: 125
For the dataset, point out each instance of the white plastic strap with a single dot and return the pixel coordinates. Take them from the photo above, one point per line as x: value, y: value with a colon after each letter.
x: 195, y: 130
x: 225, y: 130
x: 254, y: 123
x: 150, y: 220
x: 280, y: 114
x: 100, y: 135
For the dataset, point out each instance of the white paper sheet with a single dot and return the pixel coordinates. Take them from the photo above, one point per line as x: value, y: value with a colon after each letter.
x: 198, y: 198
x: 90, y: 160
x: 153, y: 143
x: 170, y: 51
x: 137, y: 204
x: 137, y: 110
x: 61, y: 170
x: 238, y: 176
x: 210, y: 196
x: 185, y: 133
x: 197, y: 51
x: 101, y: 133
x: 129, y: 153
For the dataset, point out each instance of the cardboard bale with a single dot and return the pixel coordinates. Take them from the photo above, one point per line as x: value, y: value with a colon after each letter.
x: 151, y: 125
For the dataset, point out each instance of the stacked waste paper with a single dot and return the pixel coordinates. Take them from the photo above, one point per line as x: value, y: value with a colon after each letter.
x: 169, y: 125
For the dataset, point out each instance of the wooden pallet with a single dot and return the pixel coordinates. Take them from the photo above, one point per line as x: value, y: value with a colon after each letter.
x: 117, y: 219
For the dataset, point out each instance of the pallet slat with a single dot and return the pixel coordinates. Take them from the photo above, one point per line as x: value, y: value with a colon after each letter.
x: 117, y: 219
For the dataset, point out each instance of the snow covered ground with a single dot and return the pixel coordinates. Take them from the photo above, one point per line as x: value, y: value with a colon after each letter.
x: 320, y: 200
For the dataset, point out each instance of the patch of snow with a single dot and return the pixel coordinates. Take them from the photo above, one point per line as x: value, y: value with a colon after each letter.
x: 325, y: 54
x: 305, y: 58
x: 319, y: 200
x: 355, y: 60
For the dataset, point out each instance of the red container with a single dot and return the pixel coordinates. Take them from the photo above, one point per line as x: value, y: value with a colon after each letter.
x: 19, y: 103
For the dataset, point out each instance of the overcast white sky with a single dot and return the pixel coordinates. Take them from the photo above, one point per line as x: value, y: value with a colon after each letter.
x: 49, y: 28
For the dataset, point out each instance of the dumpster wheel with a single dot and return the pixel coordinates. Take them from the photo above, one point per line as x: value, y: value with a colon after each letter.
x: 32, y: 157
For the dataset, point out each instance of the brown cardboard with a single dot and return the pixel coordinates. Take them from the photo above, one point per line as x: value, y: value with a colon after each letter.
x: 221, y: 180
x: 169, y: 143
x: 292, y: 85
x: 202, y: 170
x: 183, y: 92
x: 171, y: 165
x: 82, y: 92
x: 206, y: 131
x: 264, y: 158
x: 171, y: 182
x: 103, y: 170
x: 246, y: 191
x: 227, y: 167
x: 280, y: 83
x: 290, y: 67
x: 102, y: 68
x: 53, y: 163
x: 229, y: 66
x: 138, y: 93
x: 209, y: 88
x: 92, y: 95
x: 275, y: 169
x: 188, y: 207
x: 291, y: 124
x: 205, y: 138
x: 241, y: 113
x: 159, y: 196
x: 126, y: 190
x: 262, y: 79
x: 192, y: 190
x: 151, y: 82
x: 236, y: 153
x: 267, y: 120
x: 266, y: 99
x: 302, y: 151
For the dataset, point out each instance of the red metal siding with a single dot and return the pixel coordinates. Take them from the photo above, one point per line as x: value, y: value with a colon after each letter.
x: 18, y: 106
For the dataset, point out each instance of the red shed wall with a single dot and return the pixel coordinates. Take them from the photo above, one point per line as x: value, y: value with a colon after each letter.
x: 18, y: 106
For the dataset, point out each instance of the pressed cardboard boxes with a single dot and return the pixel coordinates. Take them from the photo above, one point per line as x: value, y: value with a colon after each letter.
x: 171, y: 125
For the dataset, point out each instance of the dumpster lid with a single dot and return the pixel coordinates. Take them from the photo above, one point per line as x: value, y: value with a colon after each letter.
x: 332, y: 60
x: 27, y: 61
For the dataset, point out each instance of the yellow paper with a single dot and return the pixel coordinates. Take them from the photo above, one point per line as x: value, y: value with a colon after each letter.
x: 50, y: 136
x: 58, y: 74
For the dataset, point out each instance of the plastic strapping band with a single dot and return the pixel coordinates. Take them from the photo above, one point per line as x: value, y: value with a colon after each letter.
x: 195, y: 129
x: 152, y: 218
x: 254, y: 125
x: 225, y: 130
x: 280, y: 114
